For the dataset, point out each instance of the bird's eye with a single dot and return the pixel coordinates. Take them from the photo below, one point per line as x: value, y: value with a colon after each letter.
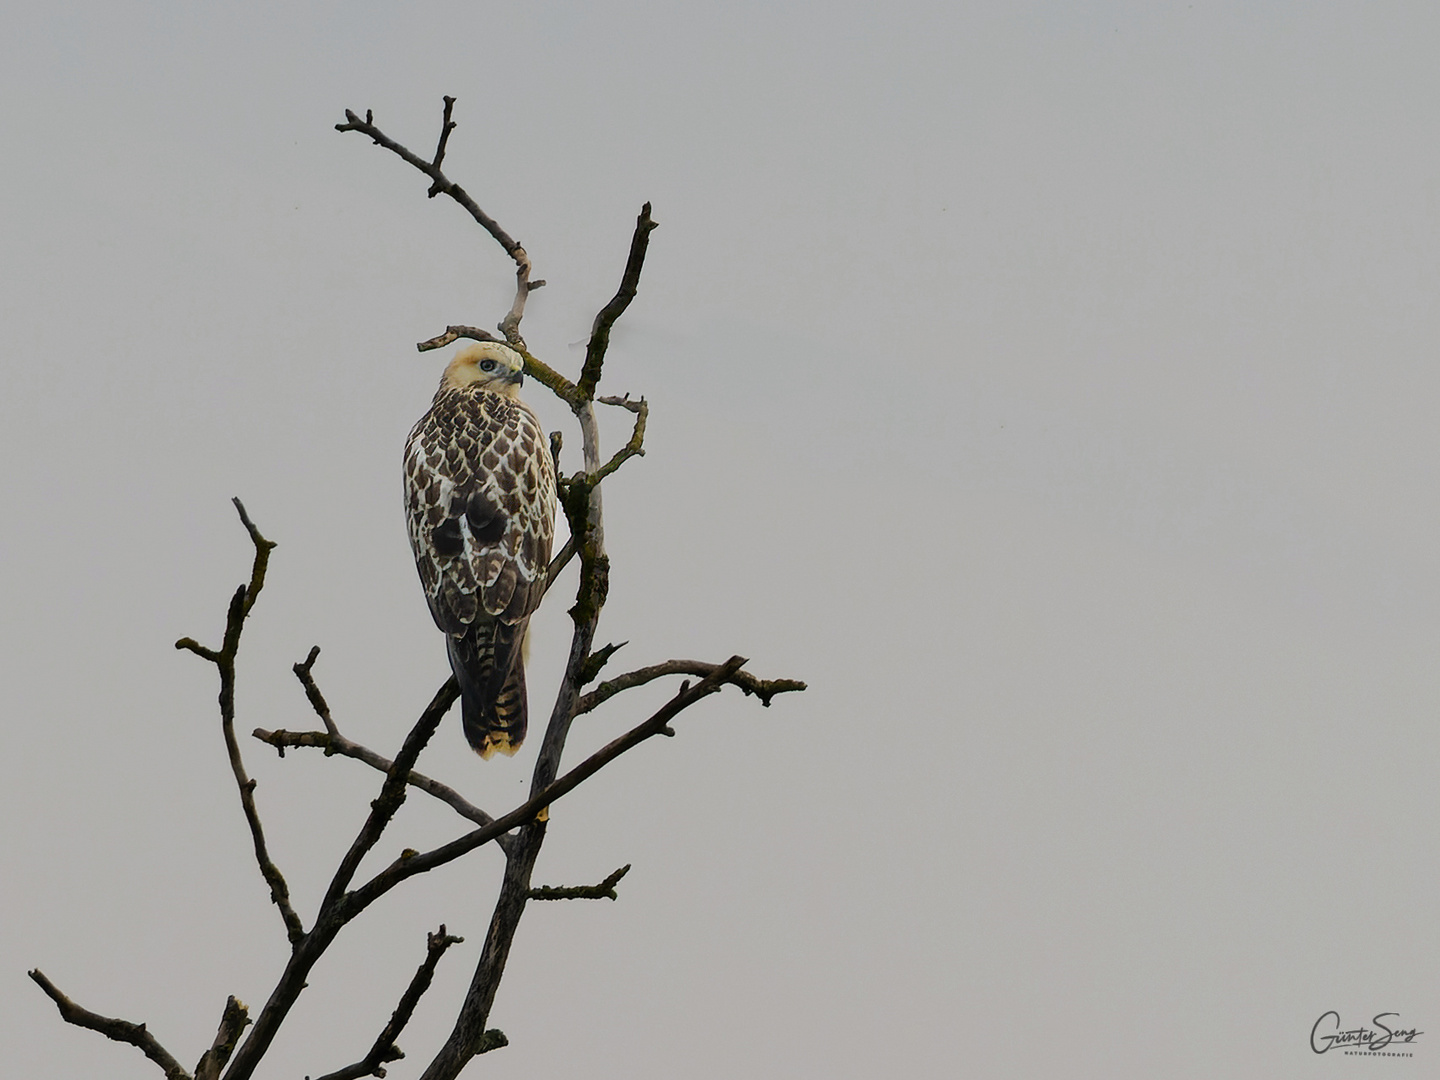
x: 487, y: 365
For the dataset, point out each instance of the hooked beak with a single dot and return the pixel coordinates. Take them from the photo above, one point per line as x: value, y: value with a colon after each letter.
x: 518, y: 378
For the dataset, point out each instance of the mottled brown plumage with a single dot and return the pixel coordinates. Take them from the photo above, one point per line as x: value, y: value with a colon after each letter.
x: 480, y: 500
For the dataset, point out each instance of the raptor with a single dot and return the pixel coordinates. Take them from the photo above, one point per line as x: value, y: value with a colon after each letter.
x: 480, y: 502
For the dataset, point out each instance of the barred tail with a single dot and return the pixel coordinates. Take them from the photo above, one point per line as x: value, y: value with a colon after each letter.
x: 487, y: 664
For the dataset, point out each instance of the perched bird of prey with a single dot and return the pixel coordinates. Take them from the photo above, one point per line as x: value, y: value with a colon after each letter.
x: 480, y: 499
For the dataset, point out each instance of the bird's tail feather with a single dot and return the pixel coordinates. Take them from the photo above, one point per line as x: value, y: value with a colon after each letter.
x: 487, y: 664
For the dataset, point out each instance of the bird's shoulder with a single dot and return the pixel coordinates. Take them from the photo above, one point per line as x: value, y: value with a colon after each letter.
x: 470, y: 434
x: 470, y: 409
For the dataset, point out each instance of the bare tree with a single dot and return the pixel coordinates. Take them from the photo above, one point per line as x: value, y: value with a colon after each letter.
x: 519, y: 833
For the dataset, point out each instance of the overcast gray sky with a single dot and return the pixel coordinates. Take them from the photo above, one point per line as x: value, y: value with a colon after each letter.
x: 1050, y: 385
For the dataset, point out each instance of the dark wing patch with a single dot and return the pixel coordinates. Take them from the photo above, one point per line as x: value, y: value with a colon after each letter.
x: 446, y: 538
x: 487, y: 522
x: 480, y: 497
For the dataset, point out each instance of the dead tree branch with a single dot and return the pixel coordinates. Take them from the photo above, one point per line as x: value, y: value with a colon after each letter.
x: 446, y: 126
x: 636, y: 446
x: 455, y: 333
x: 603, y: 891
x: 392, y: 792
x: 332, y: 742
x: 559, y: 562
x: 335, y: 913
x: 232, y: 1023
x: 553, y: 381
x: 764, y: 689
x: 304, y: 672
x: 339, y: 744
x: 119, y: 1030
x: 605, y: 320
x: 385, y: 1049
x: 443, y: 185
x: 534, y: 810
x: 224, y: 661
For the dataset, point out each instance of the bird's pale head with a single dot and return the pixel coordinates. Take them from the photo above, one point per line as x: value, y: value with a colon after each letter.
x: 487, y: 365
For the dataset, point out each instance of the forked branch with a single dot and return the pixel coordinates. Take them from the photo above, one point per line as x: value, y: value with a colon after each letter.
x: 576, y: 395
x: 224, y: 661
x: 443, y: 185
x: 384, y: 1048
x: 333, y: 742
x: 636, y: 446
x: 764, y: 689
x: 535, y: 808
x: 392, y: 792
x: 304, y: 671
x: 335, y: 912
x: 339, y: 744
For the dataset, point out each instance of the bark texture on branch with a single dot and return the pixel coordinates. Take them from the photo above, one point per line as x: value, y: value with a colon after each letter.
x: 605, y: 890
x: 112, y: 1028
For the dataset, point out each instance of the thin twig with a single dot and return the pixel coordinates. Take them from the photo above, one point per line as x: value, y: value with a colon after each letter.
x: 559, y: 562
x: 636, y: 446
x: 338, y: 744
x: 605, y: 320
x: 364, y: 1068
x: 312, y: 691
x: 581, y: 496
x: 446, y: 126
x: 603, y: 891
x: 455, y: 333
x: 557, y: 441
x: 263, y: 548
x: 510, y: 324
x: 764, y: 689
x: 224, y: 661
x: 385, y: 1048
x: 119, y: 1030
